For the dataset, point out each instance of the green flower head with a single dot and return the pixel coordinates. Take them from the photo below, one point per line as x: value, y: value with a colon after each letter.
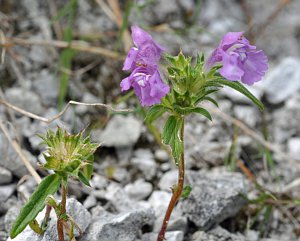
x: 68, y: 154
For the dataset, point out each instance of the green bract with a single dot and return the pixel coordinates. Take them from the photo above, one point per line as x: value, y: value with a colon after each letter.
x: 69, y: 154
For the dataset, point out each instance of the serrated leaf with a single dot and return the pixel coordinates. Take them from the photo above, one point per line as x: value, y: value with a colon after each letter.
x: 36, y: 203
x: 83, y: 179
x: 186, y: 191
x: 154, y: 112
x: 240, y: 88
x: 171, y: 136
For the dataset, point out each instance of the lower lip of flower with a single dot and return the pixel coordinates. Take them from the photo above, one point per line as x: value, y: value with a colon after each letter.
x: 141, y: 79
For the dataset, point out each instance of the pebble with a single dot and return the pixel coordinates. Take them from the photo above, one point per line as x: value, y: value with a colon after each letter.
x: 5, y: 176
x: 121, y: 131
x: 161, y: 155
x: 138, y: 190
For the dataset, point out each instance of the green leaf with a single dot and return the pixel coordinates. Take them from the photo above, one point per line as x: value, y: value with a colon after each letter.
x: 171, y: 136
x: 202, y: 111
x: 186, y: 191
x: 240, y: 88
x: 154, y: 112
x: 188, y: 110
x: 36, y: 203
x: 83, y: 179
x: 211, y: 100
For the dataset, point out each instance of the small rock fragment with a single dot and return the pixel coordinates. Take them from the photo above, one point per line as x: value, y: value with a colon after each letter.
x: 5, y: 176
x: 138, y: 190
x: 213, y: 198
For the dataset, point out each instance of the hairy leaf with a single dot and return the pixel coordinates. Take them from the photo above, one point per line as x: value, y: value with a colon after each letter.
x: 240, y: 88
x: 83, y: 178
x: 36, y: 203
x: 186, y: 191
x: 171, y: 136
x: 154, y: 112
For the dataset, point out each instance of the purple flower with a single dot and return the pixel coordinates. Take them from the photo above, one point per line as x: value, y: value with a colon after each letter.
x: 240, y: 60
x: 146, y: 52
x: 147, y: 85
x: 143, y: 60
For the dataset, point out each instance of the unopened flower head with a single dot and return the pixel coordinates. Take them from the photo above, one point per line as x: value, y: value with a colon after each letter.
x: 240, y: 60
x: 143, y: 61
x: 66, y: 152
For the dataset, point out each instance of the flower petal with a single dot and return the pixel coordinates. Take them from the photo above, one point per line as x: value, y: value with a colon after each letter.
x: 231, y: 69
x: 254, y: 67
x: 125, y: 84
x: 130, y: 59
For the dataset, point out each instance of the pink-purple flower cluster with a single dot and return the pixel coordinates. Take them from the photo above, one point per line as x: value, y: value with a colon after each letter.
x: 240, y: 60
x: 143, y: 60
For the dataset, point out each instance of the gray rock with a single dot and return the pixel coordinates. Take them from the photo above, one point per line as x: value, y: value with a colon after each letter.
x: 161, y: 155
x: 121, y: 175
x: 285, y: 124
x: 6, y: 191
x: 117, y: 196
x: 5, y: 206
x: 283, y: 81
x: 210, y: 153
x: 124, y: 154
x: 75, y: 209
x: 214, y: 197
x: 10, y: 217
x: 5, y: 176
x: 170, y: 236
x: 124, y: 226
x: 168, y: 180
x: 247, y: 114
x: 10, y: 160
x: 138, y: 190
x: 24, y: 99
x: 99, y: 182
x: 121, y: 131
x: 3, y: 235
x: 27, y: 187
x: 293, y: 146
x: 144, y: 161
x: 80, y: 215
x: 90, y: 201
x: 159, y: 200
x: 47, y: 86
x: 217, y: 234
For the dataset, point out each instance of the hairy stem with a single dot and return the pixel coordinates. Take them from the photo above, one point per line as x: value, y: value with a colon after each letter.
x: 60, y: 221
x: 177, y: 191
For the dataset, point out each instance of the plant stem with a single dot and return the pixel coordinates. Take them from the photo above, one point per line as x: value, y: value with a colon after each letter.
x: 46, y: 218
x: 60, y: 221
x: 177, y: 190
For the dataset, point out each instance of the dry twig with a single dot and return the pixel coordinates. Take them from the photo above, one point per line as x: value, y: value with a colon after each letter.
x: 20, y: 153
x: 49, y: 120
x: 76, y: 45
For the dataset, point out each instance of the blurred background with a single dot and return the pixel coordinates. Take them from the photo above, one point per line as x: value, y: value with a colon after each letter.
x: 53, y: 52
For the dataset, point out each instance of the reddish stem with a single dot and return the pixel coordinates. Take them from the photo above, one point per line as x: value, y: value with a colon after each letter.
x: 60, y: 221
x: 177, y: 191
